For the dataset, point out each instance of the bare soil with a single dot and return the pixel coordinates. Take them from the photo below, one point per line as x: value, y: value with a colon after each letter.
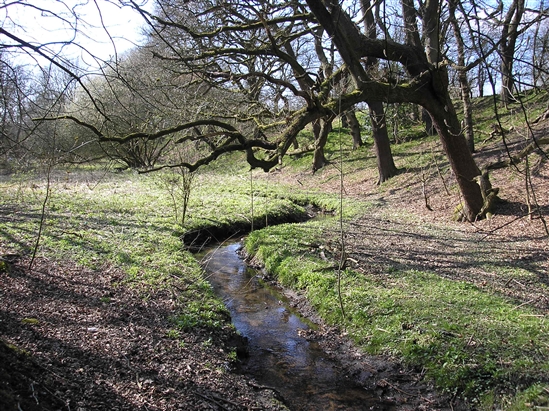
x: 81, y: 340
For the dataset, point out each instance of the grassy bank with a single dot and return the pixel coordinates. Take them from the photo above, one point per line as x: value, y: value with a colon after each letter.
x: 415, y: 286
x: 115, y: 312
x: 467, y: 340
x: 127, y: 221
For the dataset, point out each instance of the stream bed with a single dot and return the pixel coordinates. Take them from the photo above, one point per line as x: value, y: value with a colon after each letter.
x: 299, y: 370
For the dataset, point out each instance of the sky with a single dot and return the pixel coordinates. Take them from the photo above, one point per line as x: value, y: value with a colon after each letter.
x: 103, y: 28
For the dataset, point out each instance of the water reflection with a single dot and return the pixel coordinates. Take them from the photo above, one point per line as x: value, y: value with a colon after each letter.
x: 279, y: 357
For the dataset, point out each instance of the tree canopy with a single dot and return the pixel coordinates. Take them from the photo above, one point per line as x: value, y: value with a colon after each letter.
x: 250, y: 75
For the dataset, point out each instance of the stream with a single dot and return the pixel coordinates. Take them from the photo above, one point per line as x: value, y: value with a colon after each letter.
x: 304, y: 375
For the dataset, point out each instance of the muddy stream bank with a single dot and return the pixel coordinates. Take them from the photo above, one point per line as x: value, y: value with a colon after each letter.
x: 284, y: 353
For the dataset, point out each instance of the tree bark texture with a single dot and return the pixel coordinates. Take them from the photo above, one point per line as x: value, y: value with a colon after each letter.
x: 382, y: 147
x: 465, y: 89
x: 354, y: 127
x: 454, y: 144
x: 322, y: 128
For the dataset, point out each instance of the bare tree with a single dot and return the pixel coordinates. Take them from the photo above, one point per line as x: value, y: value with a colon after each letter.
x: 510, y: 31
x: 213, y: 41
x: 462, y: 76
x: 241, y: 50
x: 539, y: 56
x: 14, y: 100
x: 385, y: 164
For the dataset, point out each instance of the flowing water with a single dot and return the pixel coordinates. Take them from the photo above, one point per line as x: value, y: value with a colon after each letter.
x: 279, y: 356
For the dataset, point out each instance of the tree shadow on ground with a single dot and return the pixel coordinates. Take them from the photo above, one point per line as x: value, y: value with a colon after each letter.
x: 92, y: 343
x: 485, y: 260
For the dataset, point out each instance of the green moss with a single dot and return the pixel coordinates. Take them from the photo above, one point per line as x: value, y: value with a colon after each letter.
x: 16, y: 349
x: 4, y: 266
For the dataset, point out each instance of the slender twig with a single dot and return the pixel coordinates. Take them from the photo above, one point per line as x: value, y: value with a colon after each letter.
x: 527, y: 186
x: 525, y: 303
x: 42, y: 214
x: 530, y: 192
x: 424, y: 188
x: 342, y: 259
x: 252, y: 198
x: 492, y: 231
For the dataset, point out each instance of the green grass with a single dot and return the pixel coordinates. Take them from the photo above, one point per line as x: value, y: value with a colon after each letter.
x: 529, y: 105
x: 467, y: 340
x: 123, y: 221
x: 236, y: 200
x: 127, y: 221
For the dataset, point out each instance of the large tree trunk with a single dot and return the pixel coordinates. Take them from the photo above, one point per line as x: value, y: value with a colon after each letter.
x: 446, y: 121
x: 434, y: 95
x: 385, y: 164
x: 321, y: 129
x: 463, y: 81
x: 354, y: 126
x: 454, y: 144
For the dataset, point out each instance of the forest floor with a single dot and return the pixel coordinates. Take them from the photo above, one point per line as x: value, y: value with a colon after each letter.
x: 82, y: 340
x: 411, y: 224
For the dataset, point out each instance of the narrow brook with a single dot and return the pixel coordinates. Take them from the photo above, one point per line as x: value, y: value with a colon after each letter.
x: 301, y: 372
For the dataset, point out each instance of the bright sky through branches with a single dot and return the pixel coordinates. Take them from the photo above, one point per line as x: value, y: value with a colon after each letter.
x: 83, y: 31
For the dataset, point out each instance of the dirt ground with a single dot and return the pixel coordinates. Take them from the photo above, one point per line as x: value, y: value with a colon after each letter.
x: 79, y: 340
